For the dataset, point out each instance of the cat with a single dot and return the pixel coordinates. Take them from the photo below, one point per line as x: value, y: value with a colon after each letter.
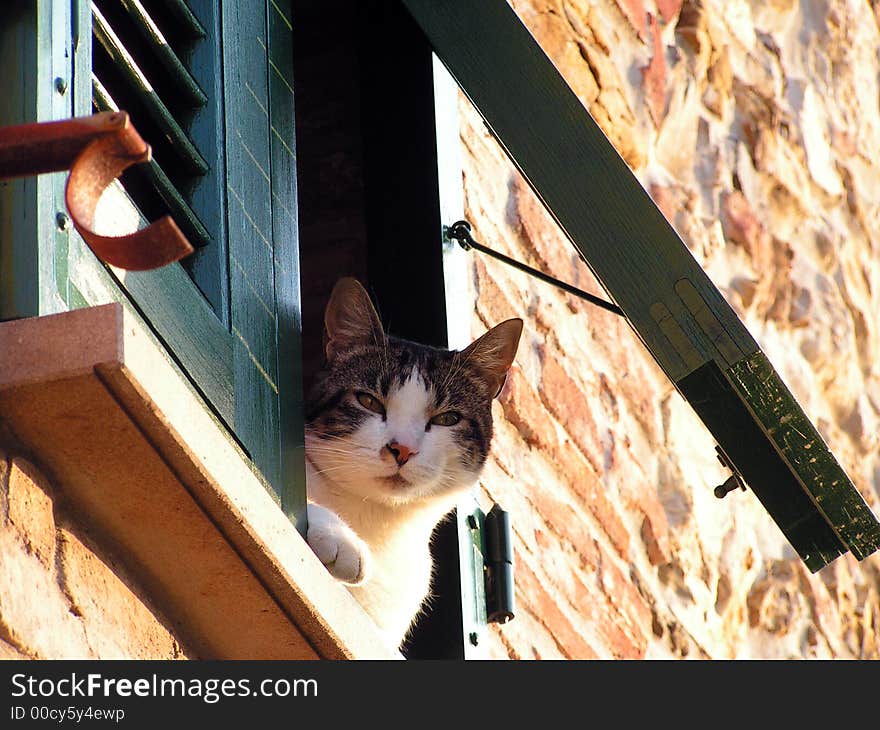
x: 396, y: 432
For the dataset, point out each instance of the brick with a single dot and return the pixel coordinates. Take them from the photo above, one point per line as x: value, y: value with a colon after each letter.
x: 524, y: 638
x: 581, y: 477
x: 669, y: 9
x: 117, y: 622
x: 523, y: 409
x: 665, y: 200
x: 618, y: 628
x: 624, y: 596
x: 500, y: 486
x: 572, y: 496
x: 531, y: 498
x: 532, y: 593
x: 609, y: 625
x: 4, y: 487
x: 564, y: 522
x: 499, y: 645
x: 654, y: 76
x: 641, y: 496
x: 541, y: 233
x: 564, y: 465
x: 492, y: 303
x: 30, y: 510
x: 566, y: 400
x: 641, y: 385
x: 655, y: 535
x: 615, y: 595
x: 636, y: 14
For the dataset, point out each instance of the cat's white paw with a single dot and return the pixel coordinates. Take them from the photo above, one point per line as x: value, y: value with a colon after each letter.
x: 345, y: 555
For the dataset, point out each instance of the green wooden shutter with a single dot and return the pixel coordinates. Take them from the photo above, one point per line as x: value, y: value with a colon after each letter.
x: 129, y: 68
x: 211, y: 89
x: 669, y: 301
x: 263, y: 270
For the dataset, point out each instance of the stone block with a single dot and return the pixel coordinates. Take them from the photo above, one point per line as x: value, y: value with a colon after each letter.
x: 637, y: 15
x: 117, y: 622
x: 654, y: 76
x: 8, y: 651
x: 34, y: 613
x: 30, y: 510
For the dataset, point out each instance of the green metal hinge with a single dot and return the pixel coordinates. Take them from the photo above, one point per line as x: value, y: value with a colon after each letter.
x: 486, y: 556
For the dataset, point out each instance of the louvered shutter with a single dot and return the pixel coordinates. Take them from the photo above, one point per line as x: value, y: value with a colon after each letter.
x: 210, y: 87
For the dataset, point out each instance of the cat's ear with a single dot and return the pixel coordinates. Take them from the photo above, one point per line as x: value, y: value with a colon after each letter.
x: 350, y: 318
x: 492, y: 354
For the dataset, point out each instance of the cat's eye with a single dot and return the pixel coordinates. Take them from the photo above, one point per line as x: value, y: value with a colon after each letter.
x: 448, y: 418
x: 371, y: 403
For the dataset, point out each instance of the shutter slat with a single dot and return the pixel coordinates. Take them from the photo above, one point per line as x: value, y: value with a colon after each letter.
x: 180, y: 210
x: 181, y: 76
x: 183, y: 147
x: 189, y: 23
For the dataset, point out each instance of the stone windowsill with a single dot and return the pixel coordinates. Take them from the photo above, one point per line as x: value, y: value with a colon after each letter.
x: 138, y: 457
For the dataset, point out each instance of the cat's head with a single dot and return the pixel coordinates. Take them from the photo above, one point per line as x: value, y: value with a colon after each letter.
x: 395, y: 421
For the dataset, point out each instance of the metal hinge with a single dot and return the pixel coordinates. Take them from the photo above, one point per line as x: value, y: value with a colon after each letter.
x: 486, y: 553
x: 498, y: 567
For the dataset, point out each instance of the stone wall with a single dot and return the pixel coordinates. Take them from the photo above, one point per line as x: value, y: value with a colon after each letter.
x: 754, y: 126
x: 61, y: 597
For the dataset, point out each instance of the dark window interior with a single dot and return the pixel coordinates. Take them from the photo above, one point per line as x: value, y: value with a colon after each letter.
x: 369, y: 206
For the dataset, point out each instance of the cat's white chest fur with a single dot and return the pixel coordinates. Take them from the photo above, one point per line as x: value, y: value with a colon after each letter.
x: 392, y: 541
x: 400, y: 578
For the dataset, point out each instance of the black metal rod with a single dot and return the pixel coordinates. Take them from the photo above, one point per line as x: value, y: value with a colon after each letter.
x: 461, y: 232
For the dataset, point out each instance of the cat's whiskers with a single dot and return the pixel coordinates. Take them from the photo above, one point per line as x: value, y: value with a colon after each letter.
x: 317, y: 439
x: 350, y: 467
x: 337, y: 450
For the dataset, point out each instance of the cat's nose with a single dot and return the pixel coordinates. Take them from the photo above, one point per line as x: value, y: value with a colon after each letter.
x: 401, y: 453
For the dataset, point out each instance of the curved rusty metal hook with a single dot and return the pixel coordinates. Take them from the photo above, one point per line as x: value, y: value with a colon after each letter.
x: 96, y: 150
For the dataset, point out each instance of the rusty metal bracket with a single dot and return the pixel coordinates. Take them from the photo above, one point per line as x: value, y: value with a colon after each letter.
x: 96, y: 150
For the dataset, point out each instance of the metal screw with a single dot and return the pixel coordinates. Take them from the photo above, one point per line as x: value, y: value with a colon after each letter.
x: 474, y: 638
x: 60, y: 85
x: 62, y: 220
